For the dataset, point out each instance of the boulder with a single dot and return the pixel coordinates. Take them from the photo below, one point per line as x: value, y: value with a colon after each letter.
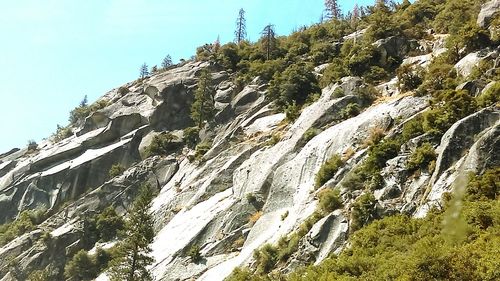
x: 395, y: 46
x: 457, y: 140
x: 488, y: 11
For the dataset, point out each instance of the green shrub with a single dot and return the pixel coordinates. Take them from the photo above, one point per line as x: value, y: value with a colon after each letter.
x: 329, y: 200
x: 24, y: 223
x: 328, y: 170
x: 309, y: 134
x: 62, y: 133
x: 123, y: 91
x: 116, y: 170
x: 440, y: 76
x: 292, y: 112
x: 409, y: 78
x: 333, y: 73
x: 81, y: 267
x: 295, y: 84
x: 109, y: 223
x: 421, y: 157
x: 202, y: 149
x: 450, y: 107
x: 363, y: 211
x: 349, y: 111
x: 338, y: 93
x: 485, y: 187
x: 376, y: 74
x: 191, y: 136
x: 413, y: 128
x: 162, y: 144
x: 266, y: 258
x: 194, y: 253
x: 490, y: 97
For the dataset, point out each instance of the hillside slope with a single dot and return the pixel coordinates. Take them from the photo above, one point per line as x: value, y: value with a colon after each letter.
x: 253, y: 178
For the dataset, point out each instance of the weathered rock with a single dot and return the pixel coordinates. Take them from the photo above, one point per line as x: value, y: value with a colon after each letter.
x: 460, y: 137
x: 488, y: 11
x: 395, y: 47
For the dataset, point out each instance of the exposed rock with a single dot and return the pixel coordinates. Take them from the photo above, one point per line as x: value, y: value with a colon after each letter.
x: 328, y: 235
x: 395, y: 47
x: 460, y: 137
x: 466, y: 64
x: 488, y: 11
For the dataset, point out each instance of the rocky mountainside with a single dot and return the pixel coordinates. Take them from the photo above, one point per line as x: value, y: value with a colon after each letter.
x: 253, y: 177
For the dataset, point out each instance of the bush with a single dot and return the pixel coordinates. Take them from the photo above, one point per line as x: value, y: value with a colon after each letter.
x: 376, y: 74
x: 363, y: 211
x: 292, y: 112
x: 328, y: 170
x: 333, y: 73
x: 295, y: 84
x: 191, y: 136
x: 440, y: 76
x: 409, y: 78
x: 194, y: 253
x: 421, y: 157
x: 81, y: 267
x: 162, y: 144
x: 329, y: 200
x: 413, y: 128
x: 266, y: 258
x: 490, y: 97
x: 25, y: 222
x: 62, y: 133
x: 109, y: 223
x: 349, y: 111
x: 451, y: 106
x: 484, y: 187
x: 116, y: 170
x: 202, y: 149
x: 309, y: 134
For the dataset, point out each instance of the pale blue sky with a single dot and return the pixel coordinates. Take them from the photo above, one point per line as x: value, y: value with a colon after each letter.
x: 53, y: 52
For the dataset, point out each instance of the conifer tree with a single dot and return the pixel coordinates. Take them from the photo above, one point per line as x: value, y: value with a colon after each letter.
x: 268, y: 39
x: 167, y: 62
x: 132, y: 258
x: 144, y: 71
x: 355, y: 19
x: 332, y: 9
x: 241, y: 27
x: 203, y: 106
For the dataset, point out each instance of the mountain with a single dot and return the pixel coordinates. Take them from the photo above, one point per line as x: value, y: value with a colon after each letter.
x: 348, y: 152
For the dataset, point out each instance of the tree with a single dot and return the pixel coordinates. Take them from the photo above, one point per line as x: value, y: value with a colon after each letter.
x: 268, y: 39
x: 167, y: 62
x: 81, y: 267
x: 144, y: 71
x: 241, y: 27
x: 355, y: 19
x: 332, y: 9
x: 132, y: 255
x: 84, y: 102
x: 203, y: 106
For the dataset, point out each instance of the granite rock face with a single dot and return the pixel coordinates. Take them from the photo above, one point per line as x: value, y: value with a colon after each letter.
x: 258, y: 165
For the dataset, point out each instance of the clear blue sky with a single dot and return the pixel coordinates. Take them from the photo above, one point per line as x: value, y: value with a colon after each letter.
x: 53, y: 52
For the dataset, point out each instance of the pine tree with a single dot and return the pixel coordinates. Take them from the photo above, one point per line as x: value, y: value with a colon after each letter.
x: 132, y: 258
x: 355, y: 19
x: 268, y: 39
x: 332, y: 9
x: 84, y: 102
x: 203, y: 106
x: 167, y: 62
x: 241, y: 27
x: 144, y: 71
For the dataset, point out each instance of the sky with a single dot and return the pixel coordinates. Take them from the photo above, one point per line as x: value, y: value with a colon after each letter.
x: 54, y: 52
